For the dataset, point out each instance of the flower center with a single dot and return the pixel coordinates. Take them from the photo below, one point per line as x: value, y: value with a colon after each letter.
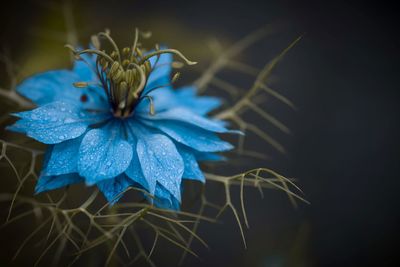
x: 123, y: 74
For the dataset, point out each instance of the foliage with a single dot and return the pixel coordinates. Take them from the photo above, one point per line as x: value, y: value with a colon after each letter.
x: 88, y: 226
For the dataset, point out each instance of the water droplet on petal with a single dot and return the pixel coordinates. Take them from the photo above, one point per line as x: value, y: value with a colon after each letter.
x: 68, y: 120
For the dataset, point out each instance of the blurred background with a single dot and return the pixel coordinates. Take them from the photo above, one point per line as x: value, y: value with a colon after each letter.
x: 343, y: 149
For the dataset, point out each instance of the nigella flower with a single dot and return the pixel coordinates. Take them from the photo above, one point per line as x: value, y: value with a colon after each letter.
x: 115, y: 121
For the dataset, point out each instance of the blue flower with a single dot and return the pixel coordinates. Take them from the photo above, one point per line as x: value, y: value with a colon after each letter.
x: 117, y: 131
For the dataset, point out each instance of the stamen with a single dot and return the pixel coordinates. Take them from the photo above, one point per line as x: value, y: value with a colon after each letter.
x: 123, y: 73
x: 114, y: 56
x: 81, y: 84
x: 142, y: 79
x: 108, y: 37
x: 157, y: 87
x: 126, y: 52
x: 177, y: 65
x: 135, y: 43
x: 114, y: 68
x: 92, y: 51
x: 164, y: 51
x: 125, y: 63
x: 84, y: 84
x: 176, y: 77
x: 152, y: 110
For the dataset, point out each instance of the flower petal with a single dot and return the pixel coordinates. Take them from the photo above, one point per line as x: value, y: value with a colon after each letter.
x: 200, y: 105
x: 163, y: 98
x: 63, y: 158
x: 164, y: 199
x: 85, y: 67
x: 114, y: 187
x: 161, y: 71
x: 192, y: 169
x: 185, y: 115
x: 206, y: 156
x: 58, y: 85
x: 191, y: 136
x: 134, y: 171
x: 55, y: 122
x: 46, y: 183
x: 103, y: 153
x: 159, y: 159
x: 51, y: 86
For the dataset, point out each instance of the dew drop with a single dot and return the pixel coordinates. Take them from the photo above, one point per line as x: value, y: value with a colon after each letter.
x: 68, y: 120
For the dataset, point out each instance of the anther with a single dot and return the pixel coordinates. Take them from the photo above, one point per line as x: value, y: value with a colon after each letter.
x: 129, y: 76
x: 114, y: 55
x: 177, y: 65
x: 80, y: 84
x: 123, y: 86
x: 125, y: 63
x: 126, y: 51
x: 118, y: 76
x: 152, y: 110
x: 176, y: 77
x: 114, y: 68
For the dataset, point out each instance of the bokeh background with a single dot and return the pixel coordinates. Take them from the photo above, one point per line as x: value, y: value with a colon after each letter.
x: 343, y: 150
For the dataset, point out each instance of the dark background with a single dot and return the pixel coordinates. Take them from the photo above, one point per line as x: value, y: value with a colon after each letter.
x: 342, y: 76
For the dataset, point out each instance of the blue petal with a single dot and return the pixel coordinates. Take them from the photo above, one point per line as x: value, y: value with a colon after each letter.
x: 51, y: 86
x: 206, y: 156
x: 85, y: 68
x: 192, y: 169
x: 163, y: 98
x: 63, y: 158
x: 161, y: 71
x: 46, y: 183
x: 104, y: 153
x: 47, y: 156
x: 186, y: 116
x: 55, y: 122
x: 159, y: 159
x: 166, y: 97
x: 114, y: 187
x: 191, y: 136
x: 58, y: 85
x: 164, y: 199
x: 201, y: 105
x: 134, y: 171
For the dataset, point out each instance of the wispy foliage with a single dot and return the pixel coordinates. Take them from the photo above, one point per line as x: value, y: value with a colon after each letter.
x: 89, y: 226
